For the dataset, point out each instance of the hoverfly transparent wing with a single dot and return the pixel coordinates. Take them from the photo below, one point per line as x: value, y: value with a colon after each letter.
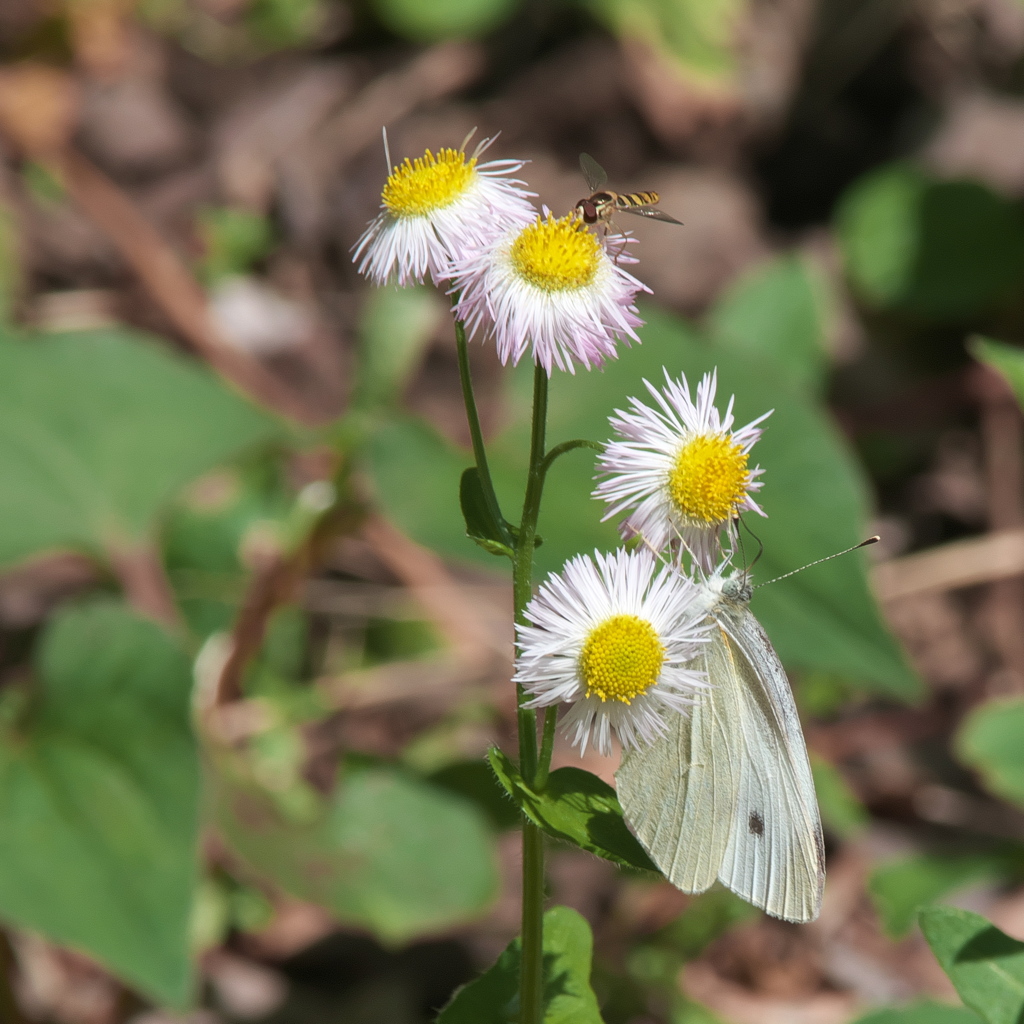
x: 649, y: 211
x: 593, y: 172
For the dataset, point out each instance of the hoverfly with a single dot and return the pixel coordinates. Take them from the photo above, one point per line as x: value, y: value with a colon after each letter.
x: 602, y: 204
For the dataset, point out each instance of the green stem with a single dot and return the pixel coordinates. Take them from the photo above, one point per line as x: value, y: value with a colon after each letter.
x: 476, y: 434
x: 522, y: 566
x: 531, y: 991
x: 531, y: 975
x: 531, y: 981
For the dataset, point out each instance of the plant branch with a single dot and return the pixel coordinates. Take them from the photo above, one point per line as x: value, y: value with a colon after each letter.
x: 476, y: 434
x: 140, y: 571
x: 567, y: 446
x: 168, y: 281
x: 546, y: 748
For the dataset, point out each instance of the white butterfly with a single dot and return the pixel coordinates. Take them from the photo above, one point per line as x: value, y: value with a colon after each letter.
x: 727, y: 792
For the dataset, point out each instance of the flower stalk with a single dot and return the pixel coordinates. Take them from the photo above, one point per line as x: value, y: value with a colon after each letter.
x: 531, y: 986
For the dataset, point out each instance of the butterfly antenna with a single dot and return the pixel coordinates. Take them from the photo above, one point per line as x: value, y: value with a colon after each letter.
x: 739, y: 538
x: 760, y: 544
x: 827, y: 558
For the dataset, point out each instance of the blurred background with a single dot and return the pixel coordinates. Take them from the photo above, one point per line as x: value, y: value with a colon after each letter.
x: 209, y: 421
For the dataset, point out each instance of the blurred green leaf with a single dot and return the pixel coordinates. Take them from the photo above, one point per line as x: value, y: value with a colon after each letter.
x: 899, y: 889
x: 206, y: 530
x: 233, y: 240
x: 416, y: 475
x: 442, y: 19
x: 398, y: 640
x: 781, y: 309
x: 944, y: 249
x: 985, y: 965
x: 576, y: 807
x: 42, y: 184
x: 1007, y: 360
x: 568, y: 998
x: 841, y: 811
x: 687, y: 1011
x: 278, y: 24
x: 98, y: 430
x: 475, y: 781
x: 921, y: 1013
x: 99, y: 800
x: 385, y: 852
x: 989, y: 741
x: 706, y: 917
x: 822, y: 694
x: 697, y: 37
x: 396, y: 326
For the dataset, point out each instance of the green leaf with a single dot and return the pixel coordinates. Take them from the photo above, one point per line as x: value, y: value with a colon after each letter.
x: 386, y: 852
x: 98, y: 430
x: 576, y: 807
x: 278, y: 24
x: 696, y: 37
x: 475, y: 781
x: 989, y: 741
x: 899, y: 889
x: 443, y: 19
x: 985, y: 965
x: 1005, y: 359
x: 921, y: 1013
x: 397, y: 324
x: 841, y: 811
x: 233, y: 240
x: 481, y: 526
x: 568, y: 998
x: 204, y: 534
x: 944, y: 249
x: 780, y: 310
x: 99, y: 800
x: 417, y: 475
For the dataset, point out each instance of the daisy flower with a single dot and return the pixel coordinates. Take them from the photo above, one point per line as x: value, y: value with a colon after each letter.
x: 552, y: 285
x: 438, y: 208
x: 681, y: 469
x: 612, y: 635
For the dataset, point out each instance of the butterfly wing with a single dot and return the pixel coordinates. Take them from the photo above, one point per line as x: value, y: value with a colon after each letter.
x: 775, y: 857
x: 727, y: 793
x: 593, y: 173
x: 679, y: 793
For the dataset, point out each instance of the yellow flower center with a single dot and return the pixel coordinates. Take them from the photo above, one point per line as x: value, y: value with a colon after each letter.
x: 621, y: 658
x: 556, y: 254
x: 428, y: 183
x: 709, y: 479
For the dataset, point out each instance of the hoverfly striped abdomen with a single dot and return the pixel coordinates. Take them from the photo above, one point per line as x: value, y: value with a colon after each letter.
x: 637, y: 199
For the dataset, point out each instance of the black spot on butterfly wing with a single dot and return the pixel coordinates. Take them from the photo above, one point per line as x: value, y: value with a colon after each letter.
x: 756, y: 824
